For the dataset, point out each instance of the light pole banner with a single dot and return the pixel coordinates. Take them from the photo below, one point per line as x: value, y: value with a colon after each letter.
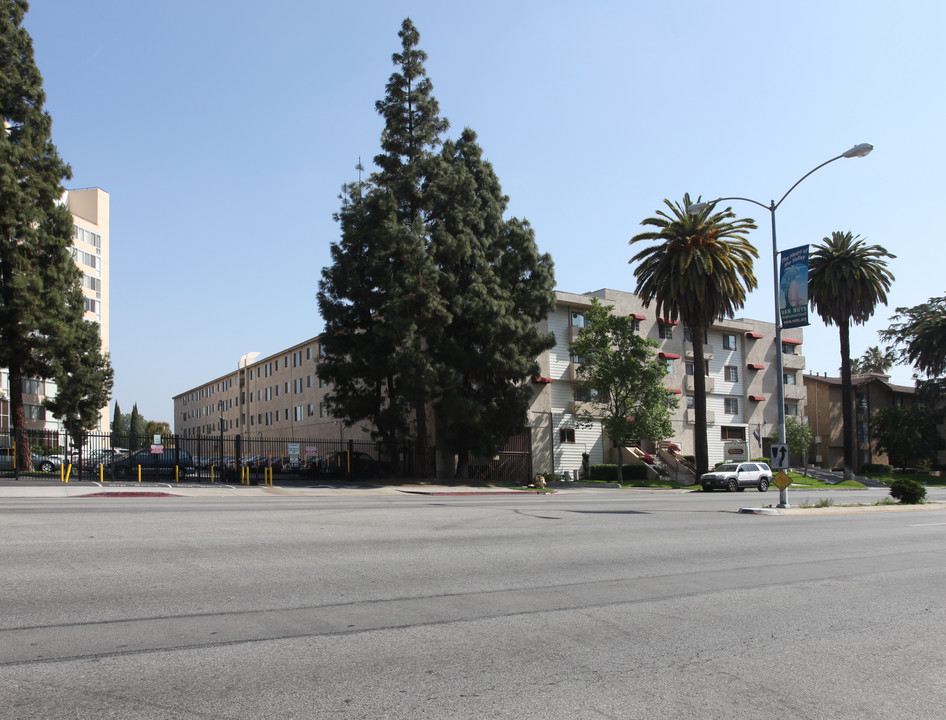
x: 793, y: 288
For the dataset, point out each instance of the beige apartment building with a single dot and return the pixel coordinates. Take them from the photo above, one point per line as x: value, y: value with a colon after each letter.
x: 740, y: 371
x: 90, y: 216
x: 274, y: 397
x: 281, y: 397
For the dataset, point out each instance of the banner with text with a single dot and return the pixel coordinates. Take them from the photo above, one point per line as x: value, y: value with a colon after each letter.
x: 793, y: 288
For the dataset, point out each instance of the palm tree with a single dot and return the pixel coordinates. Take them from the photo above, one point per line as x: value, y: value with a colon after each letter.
x: 700, y: 271
x: 874, y: 360
x: 846, y: 281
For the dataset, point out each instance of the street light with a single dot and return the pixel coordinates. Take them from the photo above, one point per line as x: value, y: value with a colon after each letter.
x: 861, y: 150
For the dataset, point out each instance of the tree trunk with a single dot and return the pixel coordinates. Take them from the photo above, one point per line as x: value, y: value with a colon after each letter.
x: 847, y: 402
x: 700, y: 445
x: 24, y: 459
x: 423, y: 448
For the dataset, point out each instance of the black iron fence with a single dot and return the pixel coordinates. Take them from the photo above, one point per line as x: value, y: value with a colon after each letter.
x: 208, y: 458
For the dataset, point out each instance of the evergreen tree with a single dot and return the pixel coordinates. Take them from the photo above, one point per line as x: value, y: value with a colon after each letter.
x: 38, y: 279
x: 382, y: 266
x: 136, y: 428
x: 84, y: 379
x: 119, y: 436
x: 497, y: 286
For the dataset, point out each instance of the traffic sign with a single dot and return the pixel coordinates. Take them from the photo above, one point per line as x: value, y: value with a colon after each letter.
x: 779, y: 456
x: 782, y: 480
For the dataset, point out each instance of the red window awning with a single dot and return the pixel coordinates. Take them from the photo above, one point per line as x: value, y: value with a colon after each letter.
x: 754, y: 335
x: 756, y: 366
x: 664, y: 321
x: 791, y: 341
x: 668, y: 356
x: 542, y: 381
x: 757, y: 398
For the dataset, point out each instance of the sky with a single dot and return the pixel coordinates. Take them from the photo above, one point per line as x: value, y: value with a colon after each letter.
x: 223, y: 131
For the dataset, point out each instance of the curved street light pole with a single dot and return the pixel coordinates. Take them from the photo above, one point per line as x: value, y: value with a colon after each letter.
x: 860, y: 150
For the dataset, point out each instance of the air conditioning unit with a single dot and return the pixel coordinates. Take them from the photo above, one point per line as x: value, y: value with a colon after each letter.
x: 818, y: 459
x: 818, y: 439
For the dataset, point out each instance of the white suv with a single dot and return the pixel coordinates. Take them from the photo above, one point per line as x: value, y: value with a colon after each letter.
x: 738, y: 476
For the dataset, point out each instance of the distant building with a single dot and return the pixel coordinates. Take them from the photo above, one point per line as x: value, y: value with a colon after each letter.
x: 90, y: 215
x: 872, y: 393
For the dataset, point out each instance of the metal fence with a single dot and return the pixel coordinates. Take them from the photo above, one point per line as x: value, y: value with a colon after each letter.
x: 239, y: 458
x: 227, y: 458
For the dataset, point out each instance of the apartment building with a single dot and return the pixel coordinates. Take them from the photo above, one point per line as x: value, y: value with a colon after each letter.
x: 740, y: 371
x: 872, y: 392
x: 280, y: 396
x: 90, y: 216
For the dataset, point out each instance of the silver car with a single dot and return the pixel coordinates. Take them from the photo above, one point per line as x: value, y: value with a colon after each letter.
x: 738, y: 476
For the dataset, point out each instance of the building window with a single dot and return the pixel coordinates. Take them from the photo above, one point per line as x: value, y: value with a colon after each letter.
x: 691, y: 368
x: 566, y: 435
x: 729, y: 341
x: 323, y: 410
x: 791, y: 409
x: 861, y: 402
x: 669, y: 363
x: 788, y: 348
x: 731, y: 373
x: 665, y: 331
x: 635, y: 324
x: 731, y: 406
x: 323, y: 382
x: 733, y: 433
x: 578, y: 320
x: 788, y: 378
x: 310, y: 409
x: 691, y: 402
x: 585, y: 394
x: 32, y: 386
x: 297, y: 413
x: 34, y: 412
x: 687, y: 336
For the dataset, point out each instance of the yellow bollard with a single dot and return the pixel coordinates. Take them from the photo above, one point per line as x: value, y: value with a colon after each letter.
x: 211, y: 474
x: 68, y: 470
x: 101, y: 473
x: 139, y: 473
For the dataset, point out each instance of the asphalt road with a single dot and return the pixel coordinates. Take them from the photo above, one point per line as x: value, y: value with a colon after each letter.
x: 584, y: 604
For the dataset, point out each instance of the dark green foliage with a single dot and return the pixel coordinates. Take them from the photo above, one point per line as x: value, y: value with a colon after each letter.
x: 625, y: 376
x: 918, y: 336
x: 136, y: 427
x: 119, y: 434
x: 432, y: 296
x: 40, y: 295
x: 846, y: 281
x: 700, y: 271
x: 84, y: 379
x: 907, y: 491
x: 496, y: 286
x: 907, y: 435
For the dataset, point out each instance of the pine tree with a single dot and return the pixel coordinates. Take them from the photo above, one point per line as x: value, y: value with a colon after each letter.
x: 84, y: 379
x: 119, y: 436
x: 38, y: 279
x: 383, y: 261
x: 136, y: 428
x: 497, y: 287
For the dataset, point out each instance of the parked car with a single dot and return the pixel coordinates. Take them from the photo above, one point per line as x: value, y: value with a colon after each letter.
x: 162, y: 463
x: 339, y: 463
x: 738, y: 476
x: 41, y: 463
x: 106, y: 456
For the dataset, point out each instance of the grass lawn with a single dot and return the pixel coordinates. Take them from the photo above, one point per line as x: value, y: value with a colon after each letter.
x: 924, y: 478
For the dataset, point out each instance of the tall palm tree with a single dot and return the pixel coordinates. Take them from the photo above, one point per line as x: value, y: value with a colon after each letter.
x: 700, y: 271
x: 846, y: 281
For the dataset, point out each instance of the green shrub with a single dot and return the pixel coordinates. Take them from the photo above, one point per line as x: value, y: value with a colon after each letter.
x: 907, y: 491
x: 876, y: 469
x: 552, y: 477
